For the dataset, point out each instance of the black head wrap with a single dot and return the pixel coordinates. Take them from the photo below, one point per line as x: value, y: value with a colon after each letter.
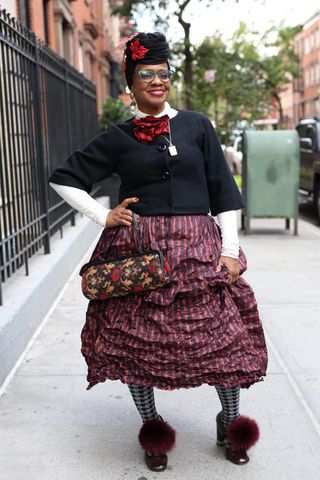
x: 144, y: 48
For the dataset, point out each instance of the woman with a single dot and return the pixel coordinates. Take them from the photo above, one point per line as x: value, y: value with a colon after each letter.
x: 204, y: 326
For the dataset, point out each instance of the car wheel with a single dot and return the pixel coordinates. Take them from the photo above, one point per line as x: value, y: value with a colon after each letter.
x: 316, y: 200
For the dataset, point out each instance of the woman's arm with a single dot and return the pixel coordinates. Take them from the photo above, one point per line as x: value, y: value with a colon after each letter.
x: 83, y: 202
x: 230, y: 244
x: 229, y: 233
x: 86, y: 166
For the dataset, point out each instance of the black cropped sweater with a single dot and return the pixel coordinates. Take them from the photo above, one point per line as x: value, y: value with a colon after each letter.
x: 194, y: 181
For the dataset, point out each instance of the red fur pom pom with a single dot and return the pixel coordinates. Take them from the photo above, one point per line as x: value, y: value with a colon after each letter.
x: 157, y: 436
x: 242, y: 433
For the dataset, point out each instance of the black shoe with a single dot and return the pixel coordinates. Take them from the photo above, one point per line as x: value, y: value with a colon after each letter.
x: 157, y: 438
x: 241, y: 434
x: 157, y: 462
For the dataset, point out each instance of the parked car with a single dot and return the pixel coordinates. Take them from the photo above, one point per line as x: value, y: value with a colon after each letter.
x: 233, y: 155
x: 309, y: 133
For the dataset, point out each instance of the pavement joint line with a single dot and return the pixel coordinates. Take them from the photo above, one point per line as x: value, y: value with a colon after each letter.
x: 40, y: 327
x: 315, y: 422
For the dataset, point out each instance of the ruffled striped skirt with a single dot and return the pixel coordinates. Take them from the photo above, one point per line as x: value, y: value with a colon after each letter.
x: 198, y: 329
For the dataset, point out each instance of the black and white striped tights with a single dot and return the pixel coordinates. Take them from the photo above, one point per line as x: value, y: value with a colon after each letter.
x: 143, y: 398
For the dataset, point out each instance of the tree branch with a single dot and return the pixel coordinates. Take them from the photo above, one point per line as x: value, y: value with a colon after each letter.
x: 182, y: 7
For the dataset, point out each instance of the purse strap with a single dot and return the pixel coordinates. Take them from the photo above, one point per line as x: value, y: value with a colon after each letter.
x: 137, y: 231
x: 136, y: 228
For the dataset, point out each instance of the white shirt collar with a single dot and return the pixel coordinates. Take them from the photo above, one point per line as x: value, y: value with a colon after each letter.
x: 171, y: 112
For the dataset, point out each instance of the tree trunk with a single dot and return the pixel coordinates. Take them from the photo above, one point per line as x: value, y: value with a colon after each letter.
x: 188, y: 74
x: 216, y: 114
x: 281, y: 118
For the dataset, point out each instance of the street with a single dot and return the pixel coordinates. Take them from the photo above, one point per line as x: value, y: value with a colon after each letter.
x: 52, y: 428
x: 306, y: 210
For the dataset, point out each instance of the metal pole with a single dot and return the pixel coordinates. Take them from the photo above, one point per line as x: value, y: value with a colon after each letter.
x: 72, y: 216
x: 40, y: 150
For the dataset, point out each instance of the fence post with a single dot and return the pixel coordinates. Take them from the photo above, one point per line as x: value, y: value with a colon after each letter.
x: 72, y: 216
x: 40, y: 150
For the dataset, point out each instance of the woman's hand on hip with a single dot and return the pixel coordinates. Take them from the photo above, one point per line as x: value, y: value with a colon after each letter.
x: 121, y: 215
x: 233, y: 266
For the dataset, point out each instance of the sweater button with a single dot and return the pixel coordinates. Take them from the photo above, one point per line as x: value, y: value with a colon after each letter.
x: 165, y: 175
x: 162, y: 148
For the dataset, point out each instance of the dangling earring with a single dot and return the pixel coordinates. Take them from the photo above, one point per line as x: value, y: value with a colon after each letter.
x: 133, y: 103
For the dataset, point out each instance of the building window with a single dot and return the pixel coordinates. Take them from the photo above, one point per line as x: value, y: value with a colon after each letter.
x: 89, y: 69
x: 301, y: 79
x: 80, y: 58
x: 311, y: 75
x: 317, y: 73
x: 92, y: 62
x: 306, y: 78
x: 67, y: 38
x: 311, y: 41
x: 64, y: 24
x: 307, y: 45
x: 318, y: 38
x: 45, y: 20
x: 302, y: 110
x: 24, y: 12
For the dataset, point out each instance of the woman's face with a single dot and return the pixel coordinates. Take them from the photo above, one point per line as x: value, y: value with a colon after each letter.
x: 150, y: 97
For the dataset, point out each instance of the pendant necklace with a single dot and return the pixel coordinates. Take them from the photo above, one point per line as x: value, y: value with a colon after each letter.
x: 172, y: 148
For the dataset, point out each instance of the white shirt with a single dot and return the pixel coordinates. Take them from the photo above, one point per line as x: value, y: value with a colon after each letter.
x: 171, y: 112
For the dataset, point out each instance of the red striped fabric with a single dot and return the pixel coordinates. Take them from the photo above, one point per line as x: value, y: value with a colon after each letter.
x: 199, y: 329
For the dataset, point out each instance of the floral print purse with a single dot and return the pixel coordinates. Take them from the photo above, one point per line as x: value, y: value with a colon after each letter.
x: 140, y: 272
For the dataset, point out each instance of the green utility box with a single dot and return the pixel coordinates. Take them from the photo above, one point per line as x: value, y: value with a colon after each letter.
x: 270, y: 176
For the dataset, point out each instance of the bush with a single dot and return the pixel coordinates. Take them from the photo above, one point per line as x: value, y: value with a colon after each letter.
x: 114, y: 111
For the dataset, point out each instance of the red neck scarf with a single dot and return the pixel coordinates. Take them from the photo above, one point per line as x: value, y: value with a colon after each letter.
x: 147, y: 128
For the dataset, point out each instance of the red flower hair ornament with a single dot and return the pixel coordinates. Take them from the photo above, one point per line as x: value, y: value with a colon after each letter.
x: 138, y: 51
x: 124, y: 40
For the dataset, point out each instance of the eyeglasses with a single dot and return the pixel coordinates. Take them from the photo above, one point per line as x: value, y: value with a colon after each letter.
x: 149, y: 75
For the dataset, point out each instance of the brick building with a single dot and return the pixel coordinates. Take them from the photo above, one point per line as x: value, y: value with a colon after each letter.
x: 84, y: 33
x: 302, y: 97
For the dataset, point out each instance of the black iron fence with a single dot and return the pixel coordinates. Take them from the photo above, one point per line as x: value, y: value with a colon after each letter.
x: 47, y: 109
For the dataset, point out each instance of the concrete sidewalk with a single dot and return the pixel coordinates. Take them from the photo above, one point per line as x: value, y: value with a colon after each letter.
x: 52, y: 428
